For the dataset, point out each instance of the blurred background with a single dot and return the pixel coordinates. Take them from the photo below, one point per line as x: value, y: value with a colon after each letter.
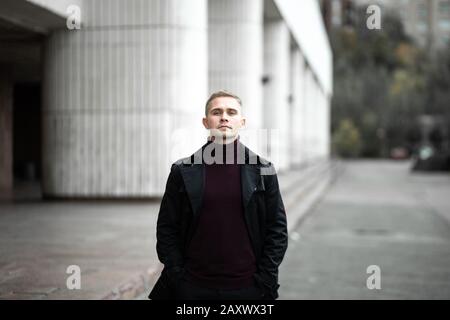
x: 99, y: 97
x: 391, y: 86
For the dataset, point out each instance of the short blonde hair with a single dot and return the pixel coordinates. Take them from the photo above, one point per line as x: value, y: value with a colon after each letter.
x: 218, y: 94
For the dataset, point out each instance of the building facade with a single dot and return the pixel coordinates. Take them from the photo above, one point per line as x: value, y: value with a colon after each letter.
x: 100, y: 109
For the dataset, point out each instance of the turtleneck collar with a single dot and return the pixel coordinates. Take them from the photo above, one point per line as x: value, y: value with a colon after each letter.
x: 213, y: 139
x: 227, y: 149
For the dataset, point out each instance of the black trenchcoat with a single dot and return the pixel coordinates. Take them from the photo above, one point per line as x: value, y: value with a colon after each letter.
x: 264, y: 213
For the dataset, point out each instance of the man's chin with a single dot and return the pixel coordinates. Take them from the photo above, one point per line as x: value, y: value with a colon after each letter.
x: 223, y: 136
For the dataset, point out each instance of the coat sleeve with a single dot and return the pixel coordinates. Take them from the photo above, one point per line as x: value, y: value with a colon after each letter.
x: 276, y: 235
x: 168, y: 227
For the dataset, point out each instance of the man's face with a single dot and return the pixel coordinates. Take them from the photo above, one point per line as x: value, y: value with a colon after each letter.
x: 224, y: 118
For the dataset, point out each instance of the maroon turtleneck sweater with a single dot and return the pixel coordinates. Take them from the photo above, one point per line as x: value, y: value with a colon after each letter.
x: 220, y: 254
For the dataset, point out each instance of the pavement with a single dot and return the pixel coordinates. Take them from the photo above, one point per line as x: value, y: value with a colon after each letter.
x: 112, y: 242
x: 376, y: 213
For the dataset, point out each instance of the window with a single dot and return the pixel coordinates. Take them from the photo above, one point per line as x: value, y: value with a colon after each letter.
x: 444, y: 9
x: 422, y: 11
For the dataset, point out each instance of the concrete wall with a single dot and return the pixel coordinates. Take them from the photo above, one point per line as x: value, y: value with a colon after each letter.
x: 235, y: 51
x: 276, y: 90
x: 124, y: 96
x: 304, y: 122
x: 305, y: 22
x: 116, y: 91
x: 297, y: 114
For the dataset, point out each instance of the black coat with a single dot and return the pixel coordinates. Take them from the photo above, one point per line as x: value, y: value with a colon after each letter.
x: 264, y: 213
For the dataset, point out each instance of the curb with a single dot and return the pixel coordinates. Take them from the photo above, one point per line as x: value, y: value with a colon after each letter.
x: 304, y: 201
x: 139, y: 286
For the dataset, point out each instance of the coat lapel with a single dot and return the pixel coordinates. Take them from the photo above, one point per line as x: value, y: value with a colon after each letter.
x: 194, y: 179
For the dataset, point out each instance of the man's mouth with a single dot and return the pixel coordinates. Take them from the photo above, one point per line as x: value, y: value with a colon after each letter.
x: 225, y: 127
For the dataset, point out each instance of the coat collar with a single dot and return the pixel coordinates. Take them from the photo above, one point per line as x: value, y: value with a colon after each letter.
x: 193, y: 174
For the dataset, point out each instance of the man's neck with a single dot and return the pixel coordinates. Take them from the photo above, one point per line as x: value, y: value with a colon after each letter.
x: 223, y: 139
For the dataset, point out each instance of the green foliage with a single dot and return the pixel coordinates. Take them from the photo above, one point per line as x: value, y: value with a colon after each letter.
x: 346, y: 140
x: 382, y: 82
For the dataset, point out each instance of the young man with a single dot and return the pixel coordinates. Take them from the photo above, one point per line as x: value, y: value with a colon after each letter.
x: 221, y: 230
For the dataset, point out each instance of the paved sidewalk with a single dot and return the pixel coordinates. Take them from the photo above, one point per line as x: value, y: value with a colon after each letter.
x: 113, y: 242
x: 377, y: 213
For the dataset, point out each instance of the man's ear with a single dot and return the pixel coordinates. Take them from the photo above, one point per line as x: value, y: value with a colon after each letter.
x: 243, y: 122
x: 205, y: 123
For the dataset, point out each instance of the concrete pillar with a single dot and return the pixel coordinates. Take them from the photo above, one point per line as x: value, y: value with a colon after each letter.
x: 327, y: 102
x: 6, y: 134
x: 308, y: 116
x: 297, y: 114
x: 316, y: 123
x: 293, y: 109
x: 236, y: 53
x: 117, y: 91
x: 319, y: 123
x: 312, y: 119
x: 304, y: 111
x: 323, y: 119
x: 276, y: 90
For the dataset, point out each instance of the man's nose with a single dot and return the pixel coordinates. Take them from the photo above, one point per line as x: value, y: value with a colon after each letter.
x: 224, y: 117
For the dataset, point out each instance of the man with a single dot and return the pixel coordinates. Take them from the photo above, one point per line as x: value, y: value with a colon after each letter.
x: 221, y: 230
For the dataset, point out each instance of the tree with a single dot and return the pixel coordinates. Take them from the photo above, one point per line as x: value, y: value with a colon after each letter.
x: 346, y: 139
x: 383, y: 82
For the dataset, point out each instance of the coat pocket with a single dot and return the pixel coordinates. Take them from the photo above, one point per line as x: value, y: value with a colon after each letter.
x: 269, y: 290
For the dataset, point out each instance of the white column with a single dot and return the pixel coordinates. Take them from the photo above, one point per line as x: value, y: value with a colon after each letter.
x: 327, y: 106
x: 308, y: 119
x: 236, y: 53
x: 322, y: 123
x: 316, y: 124
x: 276, y: 90
x: 297, y: 115
x: 303, y: 111
x: 325, y: 126
x: 115, y: 92
x: 293, y: 110
x: 319, y: 122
